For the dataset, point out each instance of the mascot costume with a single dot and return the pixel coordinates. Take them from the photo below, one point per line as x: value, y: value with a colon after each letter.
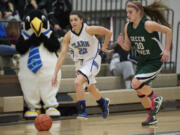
x: 38, y: 48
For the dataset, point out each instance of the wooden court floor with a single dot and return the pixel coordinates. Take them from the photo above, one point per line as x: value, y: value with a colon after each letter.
x: 116, y: 124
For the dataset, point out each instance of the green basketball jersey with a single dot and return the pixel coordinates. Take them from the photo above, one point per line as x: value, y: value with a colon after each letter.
x: 146, y: 44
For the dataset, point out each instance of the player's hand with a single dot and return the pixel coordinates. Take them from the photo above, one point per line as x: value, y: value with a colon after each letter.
x: 54, y: 80
x: 120, y: 39
x: 165, y: 56
x: 104, y: 49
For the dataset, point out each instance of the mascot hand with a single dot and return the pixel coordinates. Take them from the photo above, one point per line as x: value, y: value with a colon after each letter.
x: 36, y: 41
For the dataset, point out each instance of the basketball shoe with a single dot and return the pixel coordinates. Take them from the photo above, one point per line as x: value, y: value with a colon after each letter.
x: 82, y: 114
x: 104, y: 107
x: 151, y: 120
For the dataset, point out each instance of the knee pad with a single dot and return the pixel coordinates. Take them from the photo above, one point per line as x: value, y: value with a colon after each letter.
x: 141, y: 96
x: 142, y: 85
x: 150, y: 94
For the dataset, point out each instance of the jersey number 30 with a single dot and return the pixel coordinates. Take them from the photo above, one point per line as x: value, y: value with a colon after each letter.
x: 139, y: 45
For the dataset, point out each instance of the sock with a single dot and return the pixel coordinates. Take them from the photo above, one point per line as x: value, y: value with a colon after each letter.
x: 82, y: 106
x: 148, y: 111
x: 100, y: 101
x: 152, y: 96
x: 81, y: 102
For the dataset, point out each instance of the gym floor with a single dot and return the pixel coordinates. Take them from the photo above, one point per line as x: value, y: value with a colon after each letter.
x: 115, y: 124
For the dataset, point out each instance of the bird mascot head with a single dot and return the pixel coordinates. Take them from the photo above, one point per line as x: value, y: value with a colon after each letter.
x: 36, y: 31
x: 36, y: 22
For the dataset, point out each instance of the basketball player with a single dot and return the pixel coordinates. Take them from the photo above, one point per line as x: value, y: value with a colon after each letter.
x: 142, y: 33
x: 84, y: 48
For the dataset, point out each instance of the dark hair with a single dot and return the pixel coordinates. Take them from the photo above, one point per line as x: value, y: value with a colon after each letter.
x: 155, y: 11
x: 78, y: 13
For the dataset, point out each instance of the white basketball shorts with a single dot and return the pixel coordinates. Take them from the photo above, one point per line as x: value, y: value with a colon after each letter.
x: 89, y: 68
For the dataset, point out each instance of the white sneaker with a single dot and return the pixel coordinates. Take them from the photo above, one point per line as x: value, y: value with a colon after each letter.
x: 32, y: 113
x: 51, y: 111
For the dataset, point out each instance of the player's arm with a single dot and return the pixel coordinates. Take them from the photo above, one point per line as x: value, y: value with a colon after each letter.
x: 125, y: 44
x: 62, y: 55
x: 99, y: 30
x: 152, y: 26
x: 64, y: 49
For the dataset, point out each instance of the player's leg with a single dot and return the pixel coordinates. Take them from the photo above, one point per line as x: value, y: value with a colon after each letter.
x: 102, y: 102
x: 146, y: 75
x: 145, y: 93
x: 91, y: 69
x: 80, y: 95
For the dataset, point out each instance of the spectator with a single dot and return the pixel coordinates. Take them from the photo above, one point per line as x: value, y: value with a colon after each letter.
x: 5, y: 47
x: 59, y: 16
x: 121, y: 64
x: 19, y: 5
x: 13, y: 31
x: 8, y: 10
x: 6, y: 50
x: 29, y: 6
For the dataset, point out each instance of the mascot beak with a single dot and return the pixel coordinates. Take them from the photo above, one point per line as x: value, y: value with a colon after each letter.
x: 36, y: 25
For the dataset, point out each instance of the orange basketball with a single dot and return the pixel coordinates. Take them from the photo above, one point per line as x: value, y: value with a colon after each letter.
x: 43, y: 122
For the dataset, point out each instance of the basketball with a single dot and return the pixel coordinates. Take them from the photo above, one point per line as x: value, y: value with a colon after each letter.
x: 43, y: 122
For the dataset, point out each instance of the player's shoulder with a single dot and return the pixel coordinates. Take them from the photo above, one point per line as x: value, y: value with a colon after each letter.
x: 67, y: 35
x: 88, y: 28
x: 126, y: 25
x: 150, y: 23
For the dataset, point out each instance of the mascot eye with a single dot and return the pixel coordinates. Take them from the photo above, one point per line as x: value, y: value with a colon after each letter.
x: 44, y: 20
x: 27, y: 23
x: 28, y: 18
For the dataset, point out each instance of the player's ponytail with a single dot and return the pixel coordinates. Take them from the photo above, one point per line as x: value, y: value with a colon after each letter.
x: 155, y: 11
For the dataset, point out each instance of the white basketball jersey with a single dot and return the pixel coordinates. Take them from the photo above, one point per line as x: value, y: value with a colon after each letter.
x: 83, y: 45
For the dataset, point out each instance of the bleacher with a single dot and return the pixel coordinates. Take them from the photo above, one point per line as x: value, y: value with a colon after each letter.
x: 12, y: 103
